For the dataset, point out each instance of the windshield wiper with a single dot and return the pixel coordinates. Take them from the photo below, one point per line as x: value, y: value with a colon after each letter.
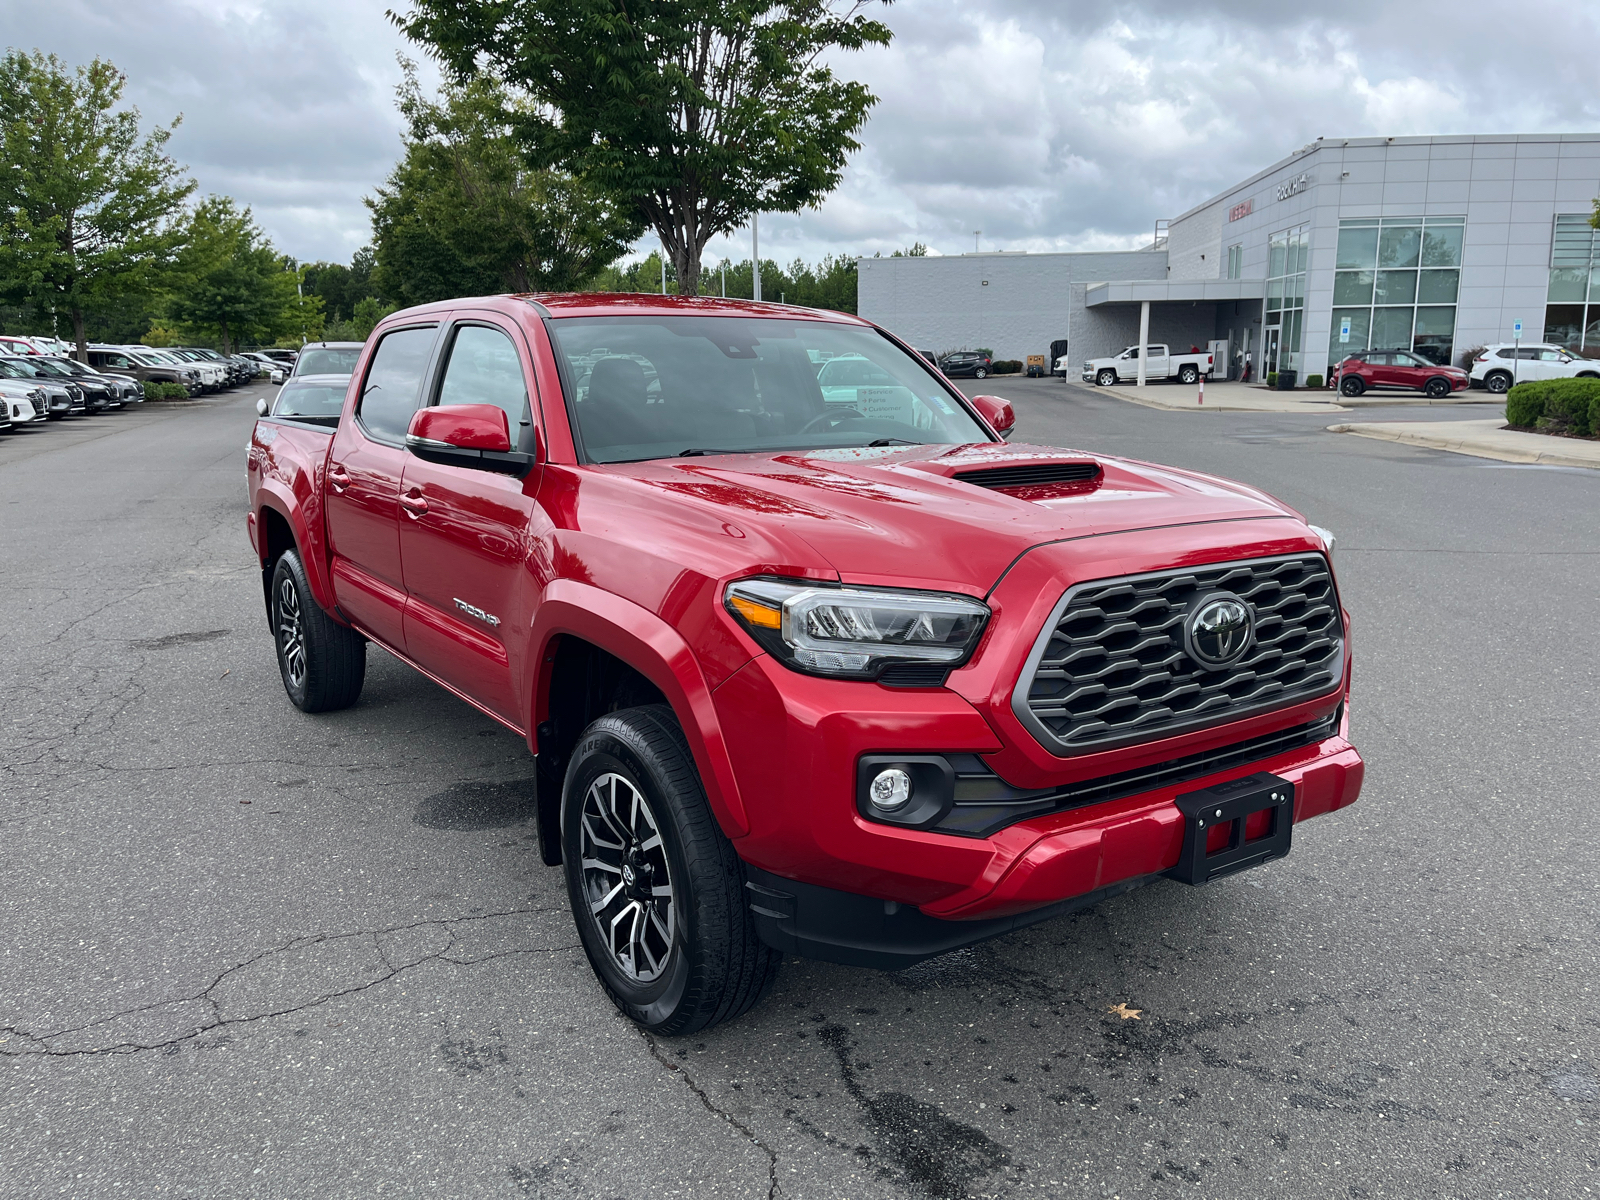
x: 891, y: 442
x: 696, y: 452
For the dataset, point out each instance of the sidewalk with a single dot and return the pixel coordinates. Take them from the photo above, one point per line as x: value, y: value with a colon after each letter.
x: 1483, y: 439
x: 1221, y: 396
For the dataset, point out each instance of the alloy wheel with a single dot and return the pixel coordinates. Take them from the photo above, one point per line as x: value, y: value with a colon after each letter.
x: 291, y: 634
x: 627, y: 880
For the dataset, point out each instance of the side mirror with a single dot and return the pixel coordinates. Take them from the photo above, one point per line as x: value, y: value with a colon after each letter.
x: 466, y: 435
x: 261, y: 407
x: 997, y: 412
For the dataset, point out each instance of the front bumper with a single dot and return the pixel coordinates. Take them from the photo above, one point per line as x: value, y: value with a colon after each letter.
x: 795, y: 743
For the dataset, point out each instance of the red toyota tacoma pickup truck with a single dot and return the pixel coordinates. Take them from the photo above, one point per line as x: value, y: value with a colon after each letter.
x: 810, y: 658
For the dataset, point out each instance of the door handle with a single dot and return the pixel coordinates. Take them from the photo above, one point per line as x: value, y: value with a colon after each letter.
x: 338, y: 477
x: 415, y: 504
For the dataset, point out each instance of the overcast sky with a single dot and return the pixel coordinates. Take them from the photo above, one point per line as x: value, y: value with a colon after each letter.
x: 1046, y: 124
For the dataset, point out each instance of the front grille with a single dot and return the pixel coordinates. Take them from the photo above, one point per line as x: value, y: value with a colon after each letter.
x: 1111, y: 669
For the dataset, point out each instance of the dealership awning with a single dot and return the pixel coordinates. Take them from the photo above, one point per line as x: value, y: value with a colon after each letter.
x: 1174, y: 291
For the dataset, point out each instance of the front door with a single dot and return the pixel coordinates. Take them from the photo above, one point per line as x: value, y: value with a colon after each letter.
x: 466, y: 532
x: 1269, y: 350
x: 363, y: 486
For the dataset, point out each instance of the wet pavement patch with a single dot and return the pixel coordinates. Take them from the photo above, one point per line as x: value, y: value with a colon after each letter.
x: 474, y: 806
x: 935, y: 1156
x: 173, y: 640
x: 1577, y: 1082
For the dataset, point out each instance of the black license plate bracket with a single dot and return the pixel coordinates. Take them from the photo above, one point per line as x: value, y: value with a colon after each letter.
x: 1233, y: 803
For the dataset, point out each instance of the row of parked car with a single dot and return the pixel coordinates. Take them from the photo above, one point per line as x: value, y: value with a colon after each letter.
x: 41, y: 380
x: 1495, y: 368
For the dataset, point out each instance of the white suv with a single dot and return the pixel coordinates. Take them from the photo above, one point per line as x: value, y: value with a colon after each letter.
x: 1500, y: 365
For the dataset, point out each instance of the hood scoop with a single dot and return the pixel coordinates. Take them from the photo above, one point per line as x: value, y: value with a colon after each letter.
x: 1033, y: 474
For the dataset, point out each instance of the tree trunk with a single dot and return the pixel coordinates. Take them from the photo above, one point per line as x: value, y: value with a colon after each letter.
x: 78, y: 335
x: 226, y: 344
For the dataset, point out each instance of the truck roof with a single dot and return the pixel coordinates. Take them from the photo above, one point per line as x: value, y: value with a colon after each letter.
x: 611, y: 304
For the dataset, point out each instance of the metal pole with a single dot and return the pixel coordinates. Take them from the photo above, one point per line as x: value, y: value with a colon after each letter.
x: 1516, y: 353
x: 755, y: 259
x: 724, y: 269
x: 663, y: 266
x: 1144, y: 336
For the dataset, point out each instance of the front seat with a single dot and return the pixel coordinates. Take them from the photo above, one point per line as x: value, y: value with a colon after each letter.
x: 613, y: 412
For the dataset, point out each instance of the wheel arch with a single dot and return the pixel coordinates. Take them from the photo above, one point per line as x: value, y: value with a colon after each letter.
x: 280, y: 526
x: 594, y: 652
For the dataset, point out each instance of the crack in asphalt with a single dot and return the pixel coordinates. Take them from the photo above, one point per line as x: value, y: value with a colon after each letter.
x: 711, y: 1107
x: 39, y: 1044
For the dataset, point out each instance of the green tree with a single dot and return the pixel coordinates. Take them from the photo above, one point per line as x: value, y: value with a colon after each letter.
x: 89, y: 208
x: 463, y: 214
x: 231, y: 282
x: 341, y: 287
x: 695, y: 113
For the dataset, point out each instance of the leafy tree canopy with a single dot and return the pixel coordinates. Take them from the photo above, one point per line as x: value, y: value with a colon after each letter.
x: 341, y: 287
x: 694, y: 113
x: 89, y: 208
x: 233, y: 284
x: 464, y: 215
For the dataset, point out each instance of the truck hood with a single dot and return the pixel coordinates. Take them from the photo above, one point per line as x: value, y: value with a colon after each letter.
x: 943, y: 517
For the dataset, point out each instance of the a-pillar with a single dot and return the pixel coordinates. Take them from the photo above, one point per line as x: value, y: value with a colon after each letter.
x: 1144, y: 337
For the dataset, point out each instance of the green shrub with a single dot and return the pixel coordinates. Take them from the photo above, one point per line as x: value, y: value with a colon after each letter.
x: 1006, y: 366
x: 174, y: 391
x: 1313, y: 380
x: 152, y: 391
x: 1272, y: 379
x: 1566, y: 406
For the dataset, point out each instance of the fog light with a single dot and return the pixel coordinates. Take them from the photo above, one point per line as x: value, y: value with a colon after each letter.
x: 891, y: 789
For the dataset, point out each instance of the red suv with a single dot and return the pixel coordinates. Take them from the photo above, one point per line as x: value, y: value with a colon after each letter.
x: 1396, y: 369
x: 811, y: 659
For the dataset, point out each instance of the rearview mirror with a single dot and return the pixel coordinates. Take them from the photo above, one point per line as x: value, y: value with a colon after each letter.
x: 997, y: 412
x: 261, y: 407
x: 466, y: 435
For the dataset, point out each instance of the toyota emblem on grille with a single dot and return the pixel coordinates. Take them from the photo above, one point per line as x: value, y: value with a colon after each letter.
x: 1218, y: 631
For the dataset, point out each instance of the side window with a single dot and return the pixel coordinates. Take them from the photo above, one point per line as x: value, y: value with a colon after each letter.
x: 393, y: 387
x: 484, y: 369
x: 1551, y: 356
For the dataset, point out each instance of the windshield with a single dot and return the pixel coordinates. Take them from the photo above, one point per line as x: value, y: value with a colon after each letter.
x: 309, y: 400
x: 19, y: 369
x: 655, y: 387
x: 319, y: 360
x: 10, y: 370
x: 50, y: 367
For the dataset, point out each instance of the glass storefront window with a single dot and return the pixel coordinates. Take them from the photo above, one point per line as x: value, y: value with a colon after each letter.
x: 1399, y: 246
x: 1358, y: 245
x: 1396, y: 287
x: 1438, y: 287
x: 1573, y: 316
x: 1352, y: 287
x: 1393, y: 265
x: 1288, y: 252
x: 1441, y: 245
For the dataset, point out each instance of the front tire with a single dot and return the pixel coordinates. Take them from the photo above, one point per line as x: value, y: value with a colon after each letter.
x: 657, y: 891
x: 1352, y: 386
x: 1436, y: 389
x: 1106, y: 377
x: 323, y: 663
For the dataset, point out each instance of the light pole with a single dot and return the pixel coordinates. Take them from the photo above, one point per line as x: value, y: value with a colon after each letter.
x: 755, y: 259
x: 975, y: 234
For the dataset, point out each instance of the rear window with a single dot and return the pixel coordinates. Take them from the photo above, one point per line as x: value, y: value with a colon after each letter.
x: 319, y: 360
x: 309, y: 400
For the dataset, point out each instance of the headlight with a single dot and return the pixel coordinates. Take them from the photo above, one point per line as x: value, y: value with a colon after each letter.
x: 1328, y: 540
x: 854, y: 633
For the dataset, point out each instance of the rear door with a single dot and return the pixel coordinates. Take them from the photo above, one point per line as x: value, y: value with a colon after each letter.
x: 363, y: 483
x: 466, y: 532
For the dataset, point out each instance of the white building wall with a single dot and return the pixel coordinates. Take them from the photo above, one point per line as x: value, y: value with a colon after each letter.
x: 1012, y: 304
x: 1194, y: 245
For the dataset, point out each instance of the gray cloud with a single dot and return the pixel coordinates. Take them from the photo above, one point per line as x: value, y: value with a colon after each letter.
x: 1047, y: 125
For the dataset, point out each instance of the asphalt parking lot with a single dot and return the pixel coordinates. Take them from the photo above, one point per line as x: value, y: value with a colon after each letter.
x: 253, y: 953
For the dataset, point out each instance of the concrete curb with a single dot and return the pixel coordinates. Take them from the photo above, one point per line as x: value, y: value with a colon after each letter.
x: 1481, y: 439
x: 1385, y: 401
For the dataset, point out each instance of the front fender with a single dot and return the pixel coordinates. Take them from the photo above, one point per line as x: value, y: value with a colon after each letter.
x: 657, y: 651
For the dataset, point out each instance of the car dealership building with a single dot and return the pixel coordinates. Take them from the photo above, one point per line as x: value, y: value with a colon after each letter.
x: 1436, y: 244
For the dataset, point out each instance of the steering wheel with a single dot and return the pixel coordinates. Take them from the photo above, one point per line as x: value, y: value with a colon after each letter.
x: 835, y: 416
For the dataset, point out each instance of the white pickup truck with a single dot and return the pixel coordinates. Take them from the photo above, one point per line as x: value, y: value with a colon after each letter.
x: 1159, y: 364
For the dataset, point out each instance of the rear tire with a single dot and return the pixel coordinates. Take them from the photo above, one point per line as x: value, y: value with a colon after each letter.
x: 1188, y: 374
x: 657, y: 891
x: 980, y: 373
x: 323, y: 663
x: 1105, y: 378
x: 1352, y: 386
x: 1497, y: 382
